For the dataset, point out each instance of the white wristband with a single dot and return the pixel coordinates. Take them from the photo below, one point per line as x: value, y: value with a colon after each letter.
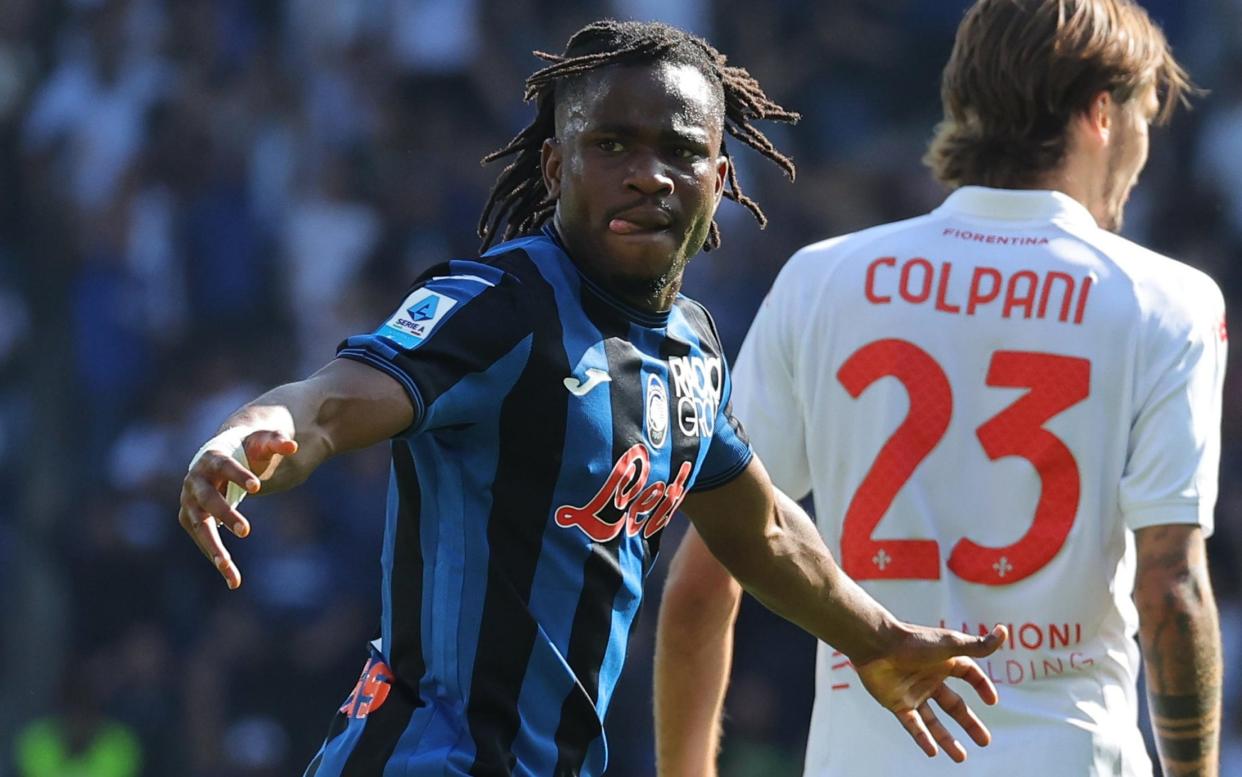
x: 231, y: 442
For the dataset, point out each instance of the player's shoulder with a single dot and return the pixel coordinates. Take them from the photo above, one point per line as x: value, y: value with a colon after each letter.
x: 1163, y: 287
x: 816, y: 263
x: 701, y: 322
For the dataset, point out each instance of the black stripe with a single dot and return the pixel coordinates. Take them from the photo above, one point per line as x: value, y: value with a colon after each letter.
x: 602, y: 577
x: 685, y: 447
x: 380, y: 734
x: 468, y: 342
x: 405, y: 654
x: 532, y: 439
x: 385, y: 726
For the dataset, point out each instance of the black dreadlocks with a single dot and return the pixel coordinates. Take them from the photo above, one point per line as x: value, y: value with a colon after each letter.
x: 520, y: 201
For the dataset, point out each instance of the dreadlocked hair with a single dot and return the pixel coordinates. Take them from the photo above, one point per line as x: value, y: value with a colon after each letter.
x: 519, y: 200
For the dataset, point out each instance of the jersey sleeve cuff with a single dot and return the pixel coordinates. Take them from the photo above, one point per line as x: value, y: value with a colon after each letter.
x: 1170, y: 512
x: 360, y: 354
x: 718, y: 480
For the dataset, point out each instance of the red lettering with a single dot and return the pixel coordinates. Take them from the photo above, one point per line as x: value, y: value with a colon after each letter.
x: 1082, y: 300
x: 1025, y: 300
x: 1066, y: 297
x: 1010, y: 666
x: 674, y: 495
x: 943, y: 291
x: 627, y: 478
x: 1038, y: 641
x: 925, y: 291
x: 872, y: 297
x: 977, y: 296
x: 626, y: 489
x: 647, y: 501
x: 1078, y: 661
x: 1055, y: 633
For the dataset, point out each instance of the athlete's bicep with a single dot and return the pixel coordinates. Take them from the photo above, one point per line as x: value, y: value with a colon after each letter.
x: 358, y: 405
x: 732, y: 517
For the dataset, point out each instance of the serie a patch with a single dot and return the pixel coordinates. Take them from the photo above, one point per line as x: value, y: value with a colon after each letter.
x: 417, y: 317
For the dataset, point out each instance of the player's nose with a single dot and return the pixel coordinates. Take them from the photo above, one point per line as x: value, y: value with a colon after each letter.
x: 647, y: 174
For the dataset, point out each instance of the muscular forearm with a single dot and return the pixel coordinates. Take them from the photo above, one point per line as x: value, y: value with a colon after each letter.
x: 694, y: 653
x: 1180, y: 635
x: 792, y: 573
x: 342, y: 407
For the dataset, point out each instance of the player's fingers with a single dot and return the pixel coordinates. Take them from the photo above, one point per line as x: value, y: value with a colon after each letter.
x: 202, y: 528
x: 965, y: 669
x: 955, y: 643
x: 960, y: 711
x: 227, y: 468
x: 210, y: 500
x: 268, y: 444
x: 941, y: 734
x: 915, y: 727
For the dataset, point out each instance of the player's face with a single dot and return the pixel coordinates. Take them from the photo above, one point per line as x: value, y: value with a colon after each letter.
x: 1127, y: 154
x: 637, y: 174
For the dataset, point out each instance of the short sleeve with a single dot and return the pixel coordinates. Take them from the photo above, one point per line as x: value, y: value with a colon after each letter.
x: 455, y: 344
x: 766, y: 401
x: 729, y: 451
x: 1174, y: 452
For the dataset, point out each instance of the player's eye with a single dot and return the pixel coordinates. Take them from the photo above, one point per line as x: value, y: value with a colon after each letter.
x: 611, y: 146
x: 685, y: 152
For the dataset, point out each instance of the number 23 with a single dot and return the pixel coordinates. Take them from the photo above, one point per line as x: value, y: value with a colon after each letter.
x: 1056, y: 383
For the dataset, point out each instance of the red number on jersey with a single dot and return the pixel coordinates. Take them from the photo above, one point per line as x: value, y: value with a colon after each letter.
x: 931, y: 404
x: 1056, y: 383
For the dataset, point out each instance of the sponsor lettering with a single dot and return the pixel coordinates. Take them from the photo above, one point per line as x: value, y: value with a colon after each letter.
x: 698, y: 382
x: 642, y: 508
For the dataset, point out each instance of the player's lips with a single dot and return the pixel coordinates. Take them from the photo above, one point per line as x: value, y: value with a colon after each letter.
x: 638, y: 220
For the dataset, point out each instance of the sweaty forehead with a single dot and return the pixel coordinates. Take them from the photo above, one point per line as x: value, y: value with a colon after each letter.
x: 660, y: 93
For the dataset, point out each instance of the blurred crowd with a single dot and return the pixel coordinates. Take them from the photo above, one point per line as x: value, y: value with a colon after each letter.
x: 200, y: 198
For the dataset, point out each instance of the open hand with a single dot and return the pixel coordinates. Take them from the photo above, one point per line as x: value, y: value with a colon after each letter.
x: 908, y: 676
x: 203, y: 505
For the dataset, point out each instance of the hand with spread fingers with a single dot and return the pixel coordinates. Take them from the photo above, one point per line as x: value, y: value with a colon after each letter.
x: 905, y: 680
x: 216, y: 482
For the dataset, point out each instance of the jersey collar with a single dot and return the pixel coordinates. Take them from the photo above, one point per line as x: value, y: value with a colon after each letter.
x: 1016, y: 205
x: 646, y: 318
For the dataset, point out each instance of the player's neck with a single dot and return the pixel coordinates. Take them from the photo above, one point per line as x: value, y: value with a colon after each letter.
x: 1081, y: 177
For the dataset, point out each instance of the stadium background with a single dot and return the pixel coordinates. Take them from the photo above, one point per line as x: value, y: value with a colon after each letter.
x: 199, y: 198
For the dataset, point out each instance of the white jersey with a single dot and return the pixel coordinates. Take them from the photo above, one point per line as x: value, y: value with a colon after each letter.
x: 987, y: 401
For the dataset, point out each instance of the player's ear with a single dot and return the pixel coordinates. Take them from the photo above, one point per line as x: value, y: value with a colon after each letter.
x: 1099, y: 118
x: 550, y: 164
x: 722, y: 175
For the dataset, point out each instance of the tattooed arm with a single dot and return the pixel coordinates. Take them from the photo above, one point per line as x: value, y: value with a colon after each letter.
x: 1180, y: 634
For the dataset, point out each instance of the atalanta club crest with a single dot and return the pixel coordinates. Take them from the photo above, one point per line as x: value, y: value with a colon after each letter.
x: 657, y: 411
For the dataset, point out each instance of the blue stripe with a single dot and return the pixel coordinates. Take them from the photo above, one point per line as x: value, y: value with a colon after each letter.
x: 558, y: 577
x: 386, y: 559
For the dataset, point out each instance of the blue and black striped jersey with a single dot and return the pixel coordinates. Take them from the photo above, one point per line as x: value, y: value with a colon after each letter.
x: 556, y: 431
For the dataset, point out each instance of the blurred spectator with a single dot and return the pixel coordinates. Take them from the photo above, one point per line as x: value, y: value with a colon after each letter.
x: 203, y: 197
x: 79, y: 742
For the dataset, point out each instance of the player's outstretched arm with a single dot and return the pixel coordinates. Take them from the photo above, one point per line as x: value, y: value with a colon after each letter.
x: 694, y: 652
x: 1180, y: 633
x: 770, y: 545
x: 276, y: 441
